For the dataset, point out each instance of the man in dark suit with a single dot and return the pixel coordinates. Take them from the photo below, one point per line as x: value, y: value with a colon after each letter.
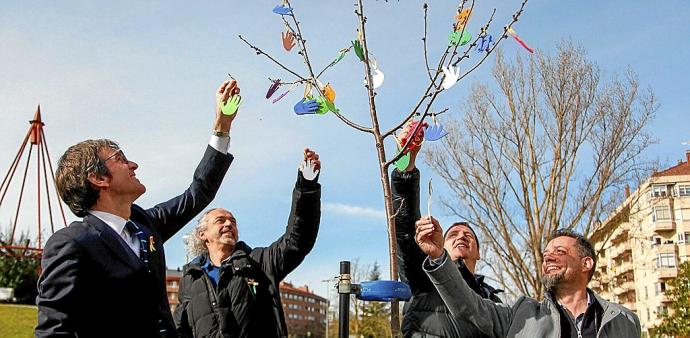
x: 104, y: 276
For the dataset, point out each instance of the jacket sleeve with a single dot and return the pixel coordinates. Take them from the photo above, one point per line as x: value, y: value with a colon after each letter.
x: 466, y: 305
x: 169, y: 217
x: 405, y: 187
x: 286, y: 253
x: 59, y: 288
x: 181, y: 319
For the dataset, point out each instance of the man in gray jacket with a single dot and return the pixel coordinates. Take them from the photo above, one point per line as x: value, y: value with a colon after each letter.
x: 569, y: 308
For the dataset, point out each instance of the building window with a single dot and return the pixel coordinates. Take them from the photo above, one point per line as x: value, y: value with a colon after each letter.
x: 666, y: 260
x: 659, y: 191
x: 683, y: 237
x: 662, y: 213
x: 646, y: 293
x: 684, y: 190
x: 661, y: 309
x: 660, y: 288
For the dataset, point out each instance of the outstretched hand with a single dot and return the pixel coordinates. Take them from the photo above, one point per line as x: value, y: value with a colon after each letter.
x: 226, y: 90
x: 311, y: 166
x: 429, y: 236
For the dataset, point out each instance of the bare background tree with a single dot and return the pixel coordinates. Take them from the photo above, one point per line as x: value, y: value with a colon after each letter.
x: 454, y: 54
x: 552, y: 147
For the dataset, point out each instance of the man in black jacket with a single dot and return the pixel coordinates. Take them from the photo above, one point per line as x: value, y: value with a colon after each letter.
x: 104, y: 276
x: 425, y: 315
x: 230, y: 289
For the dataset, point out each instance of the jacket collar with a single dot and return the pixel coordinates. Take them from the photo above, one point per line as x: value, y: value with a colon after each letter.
x: 114, y: 242
x: 242, y: 250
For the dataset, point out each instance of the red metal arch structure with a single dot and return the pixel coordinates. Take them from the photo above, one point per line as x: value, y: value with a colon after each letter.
x: 35, y: 138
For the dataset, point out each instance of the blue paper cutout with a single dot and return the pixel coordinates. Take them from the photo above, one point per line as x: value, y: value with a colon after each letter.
x: 485, y: 43
x: 282, y: 10
x: 434, y: 133
x: 306, y: 106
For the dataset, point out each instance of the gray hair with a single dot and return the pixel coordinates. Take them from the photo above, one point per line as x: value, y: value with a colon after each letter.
x: 194, y: 245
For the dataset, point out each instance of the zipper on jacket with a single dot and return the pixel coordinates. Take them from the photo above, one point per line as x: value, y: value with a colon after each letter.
x: 214, y: 300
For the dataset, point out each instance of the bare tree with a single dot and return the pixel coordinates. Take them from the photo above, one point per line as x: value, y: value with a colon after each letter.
x: 455, y: 53
x: 553, y: 149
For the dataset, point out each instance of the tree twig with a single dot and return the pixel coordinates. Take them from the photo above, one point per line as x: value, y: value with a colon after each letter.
x: 260, y: 52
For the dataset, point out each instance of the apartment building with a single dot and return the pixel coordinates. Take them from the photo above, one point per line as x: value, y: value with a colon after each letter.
x: 642, y: 243
x: 172, y: 286
x: 305, y: 312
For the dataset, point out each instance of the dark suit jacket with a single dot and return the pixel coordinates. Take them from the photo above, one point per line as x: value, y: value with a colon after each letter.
x: 93, y: 285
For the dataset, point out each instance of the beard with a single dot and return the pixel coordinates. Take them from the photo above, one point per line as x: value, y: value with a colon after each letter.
x: 551, y: 282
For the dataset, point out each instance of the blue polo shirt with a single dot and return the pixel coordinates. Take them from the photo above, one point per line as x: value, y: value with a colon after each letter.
x: 213, y: 272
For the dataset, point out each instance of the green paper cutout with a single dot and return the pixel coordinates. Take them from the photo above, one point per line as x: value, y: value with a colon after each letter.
x: 403, y: 162
x: 341, y: 55
x: 230, y: 107
x: 323, y: 105
x: 358, y: 49
x: 455, y: 38
x: 331, y: 106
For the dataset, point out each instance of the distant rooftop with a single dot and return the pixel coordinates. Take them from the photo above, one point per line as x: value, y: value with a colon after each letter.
x: 682, y: 168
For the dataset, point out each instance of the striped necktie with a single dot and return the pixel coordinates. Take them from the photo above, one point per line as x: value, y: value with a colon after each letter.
x: 135, y: 231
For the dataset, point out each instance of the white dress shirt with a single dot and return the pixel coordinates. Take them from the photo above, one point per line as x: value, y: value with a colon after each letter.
x: 222, y: 144
x: 117, y: 223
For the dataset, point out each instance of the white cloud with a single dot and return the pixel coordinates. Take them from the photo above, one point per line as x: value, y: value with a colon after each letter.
x: 352, y: 210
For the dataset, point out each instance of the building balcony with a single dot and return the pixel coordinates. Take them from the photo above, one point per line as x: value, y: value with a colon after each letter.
x: 622, y: 268
x: 667, y: 248
x: 668, y: 272
x: 661, y: 226
x: 684, y: 249
x: 665, y: 298
x: 624, y: 288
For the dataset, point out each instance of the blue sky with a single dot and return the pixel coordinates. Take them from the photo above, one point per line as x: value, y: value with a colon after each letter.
x: 144, y: 74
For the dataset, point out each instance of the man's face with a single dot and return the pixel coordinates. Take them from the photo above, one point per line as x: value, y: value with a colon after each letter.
x: 122, y: 180
x: 221, y: 229
x: 461, y: 243
x: 562, y: 264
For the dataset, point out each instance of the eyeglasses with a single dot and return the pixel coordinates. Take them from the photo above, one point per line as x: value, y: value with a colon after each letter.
x: 121, y: 158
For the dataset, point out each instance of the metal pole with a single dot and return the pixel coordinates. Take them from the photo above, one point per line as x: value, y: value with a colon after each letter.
x: 344, y: 285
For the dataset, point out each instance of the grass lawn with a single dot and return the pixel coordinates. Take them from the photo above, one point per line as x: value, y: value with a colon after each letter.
x: 17, y: 320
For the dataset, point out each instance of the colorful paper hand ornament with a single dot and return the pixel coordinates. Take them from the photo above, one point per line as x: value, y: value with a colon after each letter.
x: 282, y: 10
x: 288, y: 40
x: 418, y: 136
x: 273, y: 88
x: 434, y: 132
x: 485, y: 43
x: 340, y: 56
x: 294, y: 85
x: 450, y: 76
x: 331, y: 106
x: 517, y: 38
x: 230, y: 107
x: 308, y: 170
x: 323, y: 107
x: 462, y: 18
x: 306, y: 106
x: 329, y: 92
x: 377, y: 78
x: 358, y: 49
x: 403, y: 162
x: 280, y: 96
x: 455, y: 38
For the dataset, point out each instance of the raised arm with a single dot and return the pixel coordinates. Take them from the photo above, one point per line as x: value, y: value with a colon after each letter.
x: 173, y: 214
x: 464, y: 304
x: 405, y: 188
x: 286, y: 253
